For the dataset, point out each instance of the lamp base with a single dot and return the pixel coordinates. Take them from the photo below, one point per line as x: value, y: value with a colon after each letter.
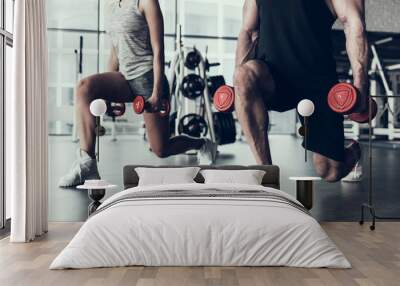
x: 374, y: 216
x: 95, y: 196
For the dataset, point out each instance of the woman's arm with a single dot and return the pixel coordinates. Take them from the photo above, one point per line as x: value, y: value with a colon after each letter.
x: 152, y: 12
x: 113, y: 64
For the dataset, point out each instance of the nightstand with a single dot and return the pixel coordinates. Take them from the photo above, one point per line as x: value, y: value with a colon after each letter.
x: 305, y: 190
x: 96, y: 192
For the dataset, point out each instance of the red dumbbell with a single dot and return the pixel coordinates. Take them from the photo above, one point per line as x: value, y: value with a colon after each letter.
x: 344, y: 98
x: 224, y: 99
x: 140, y: 105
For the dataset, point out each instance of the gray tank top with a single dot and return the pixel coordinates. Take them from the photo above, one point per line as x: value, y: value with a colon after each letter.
x: 130, y: 37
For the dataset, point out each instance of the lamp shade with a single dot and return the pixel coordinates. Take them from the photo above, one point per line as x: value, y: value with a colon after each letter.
x: 306, y: 108
x: 98, y: 107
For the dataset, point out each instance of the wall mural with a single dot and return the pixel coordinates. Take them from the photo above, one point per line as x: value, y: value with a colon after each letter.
x: 197, y: 83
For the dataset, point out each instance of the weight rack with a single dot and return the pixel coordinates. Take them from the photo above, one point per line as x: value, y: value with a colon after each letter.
x: 177, y: 75
x: 387, y: 94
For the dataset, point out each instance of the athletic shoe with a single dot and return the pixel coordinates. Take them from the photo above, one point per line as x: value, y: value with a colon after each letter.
x: 208, y: 152
x: 355, y: 176
x: 84, y: 168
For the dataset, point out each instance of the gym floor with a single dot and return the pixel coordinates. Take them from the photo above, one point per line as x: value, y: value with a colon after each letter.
x: 333, y: 202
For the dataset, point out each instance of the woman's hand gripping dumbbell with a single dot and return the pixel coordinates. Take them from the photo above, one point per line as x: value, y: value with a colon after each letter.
x: 140, y: 105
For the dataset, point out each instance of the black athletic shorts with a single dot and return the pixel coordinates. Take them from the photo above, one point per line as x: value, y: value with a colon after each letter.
x: 325, y: 127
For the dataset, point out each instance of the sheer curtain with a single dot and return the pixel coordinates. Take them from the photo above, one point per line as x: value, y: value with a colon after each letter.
x: 26, y: 129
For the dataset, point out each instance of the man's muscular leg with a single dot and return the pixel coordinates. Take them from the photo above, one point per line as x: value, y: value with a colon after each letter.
x: 252, y: 81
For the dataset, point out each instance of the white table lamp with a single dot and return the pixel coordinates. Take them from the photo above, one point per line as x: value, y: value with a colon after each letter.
x: 98, y: 108
x: 306, y: 108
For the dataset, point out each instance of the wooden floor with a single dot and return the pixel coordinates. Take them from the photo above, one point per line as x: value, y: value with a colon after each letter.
x: 375, y: 257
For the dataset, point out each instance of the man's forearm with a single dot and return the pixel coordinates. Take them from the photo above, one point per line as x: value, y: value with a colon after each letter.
x: 245, y: 47
x: 358, y: 50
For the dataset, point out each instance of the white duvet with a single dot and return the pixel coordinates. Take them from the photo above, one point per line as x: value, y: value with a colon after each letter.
x: 206, y: 231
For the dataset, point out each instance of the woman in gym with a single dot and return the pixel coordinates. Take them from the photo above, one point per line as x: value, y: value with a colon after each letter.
x: 136, y: 67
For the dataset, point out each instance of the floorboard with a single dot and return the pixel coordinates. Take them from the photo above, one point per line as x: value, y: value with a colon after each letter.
x: 375, y: 257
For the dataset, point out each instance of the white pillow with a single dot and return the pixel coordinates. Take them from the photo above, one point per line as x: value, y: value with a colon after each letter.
x: 166, y: 176
x: 246, y: 177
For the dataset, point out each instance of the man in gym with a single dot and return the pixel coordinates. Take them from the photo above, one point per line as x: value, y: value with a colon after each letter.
x: 136, y: 67
x: 284, y: 55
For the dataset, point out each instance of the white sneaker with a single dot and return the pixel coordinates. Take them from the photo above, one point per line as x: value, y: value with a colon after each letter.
x: 355, y: 176
x: 84, y: 168
x: 208, y: 153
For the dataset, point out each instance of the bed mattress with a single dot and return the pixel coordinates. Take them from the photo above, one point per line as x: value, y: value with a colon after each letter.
x: 201, y: 225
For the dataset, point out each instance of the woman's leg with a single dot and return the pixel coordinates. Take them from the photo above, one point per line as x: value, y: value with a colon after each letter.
x: 110, y: 86
x: 158, y: 132
x: 113, y: 87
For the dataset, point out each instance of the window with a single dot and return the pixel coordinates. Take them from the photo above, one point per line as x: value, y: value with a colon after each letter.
x: 213, y: 24
x: 6, y: 43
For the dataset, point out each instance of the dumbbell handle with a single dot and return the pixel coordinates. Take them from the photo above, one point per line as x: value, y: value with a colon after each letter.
x: 214, y: 64
x: 140, y: 105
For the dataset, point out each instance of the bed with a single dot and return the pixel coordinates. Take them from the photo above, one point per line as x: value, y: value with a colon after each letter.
x: 199, y: 224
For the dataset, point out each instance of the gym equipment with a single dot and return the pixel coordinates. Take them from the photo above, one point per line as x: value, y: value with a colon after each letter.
x: 225, y: 128
x: 193, y: 59
x: 101, y: 131
x: 192, y: 86
x: 193, y: 125
x: 224, y: 99
x: 98, y: 108
x: 384, y: 88
x: 302, y: 131
x: 215, y: 82
x: 344, y: 98
x: 172, y: 123
x: 305, y: 108
x: 140, y: 105
x: 78, y: 76
x: 115, y: 109
x: 190, y: 91
x: 386, y: 92
x: 209, y: 65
